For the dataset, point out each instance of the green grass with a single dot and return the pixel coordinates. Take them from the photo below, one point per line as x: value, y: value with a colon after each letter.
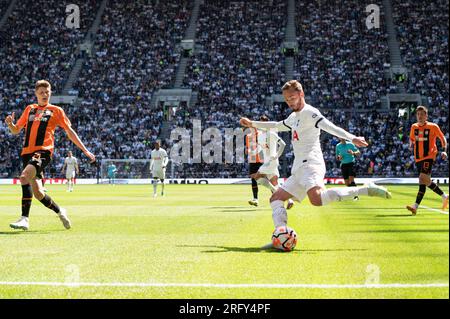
x: 209, y: 234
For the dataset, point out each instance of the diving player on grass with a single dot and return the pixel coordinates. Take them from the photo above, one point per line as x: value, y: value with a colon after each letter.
x: 272, y: 147
x: 40, y: 121
x: 308, y: 170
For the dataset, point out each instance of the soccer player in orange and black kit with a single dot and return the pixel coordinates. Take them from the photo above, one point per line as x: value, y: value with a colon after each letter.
x: 40, y: 121
x: 422, y: 139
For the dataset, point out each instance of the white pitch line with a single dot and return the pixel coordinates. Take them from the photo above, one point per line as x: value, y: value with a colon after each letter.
x: 227, y: 286
x: 434, y: 209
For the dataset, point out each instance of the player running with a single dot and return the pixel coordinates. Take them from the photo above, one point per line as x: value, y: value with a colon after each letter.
x: 272, y: 147
x: 158, y: 164
x: 308, y: 170
x: 71, y: 167
x: 40, y: 121
x: 422, y: 138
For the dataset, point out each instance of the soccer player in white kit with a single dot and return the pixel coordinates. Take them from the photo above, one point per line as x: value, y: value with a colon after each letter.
x: 272, y: 147
x: 308, y: 170
x: 71, y: 167
x: 158, y: 165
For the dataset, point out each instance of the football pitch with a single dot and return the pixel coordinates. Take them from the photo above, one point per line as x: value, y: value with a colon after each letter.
x: 204, y: 241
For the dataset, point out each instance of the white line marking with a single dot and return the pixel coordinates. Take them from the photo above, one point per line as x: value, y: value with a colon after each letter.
x: 434, y: 209
x: 226, y: 286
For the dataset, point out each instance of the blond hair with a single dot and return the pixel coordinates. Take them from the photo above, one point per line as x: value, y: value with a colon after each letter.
x: 292, y: 84
x: 42, y: 83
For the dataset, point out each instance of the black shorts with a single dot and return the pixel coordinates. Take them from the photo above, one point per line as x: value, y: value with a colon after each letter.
x: 348, y: 170
x: 39, y: 159
x: 425, y: 166
x: 254, y: 167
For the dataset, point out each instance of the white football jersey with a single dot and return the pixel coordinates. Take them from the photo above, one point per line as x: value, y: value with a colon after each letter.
x: 71, y: 163
x: 305, y: 127
x: 159, y: 158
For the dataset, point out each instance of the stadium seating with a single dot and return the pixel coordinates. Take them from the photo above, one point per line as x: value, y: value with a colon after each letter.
x: 340, y: 61
x: 237, y: 65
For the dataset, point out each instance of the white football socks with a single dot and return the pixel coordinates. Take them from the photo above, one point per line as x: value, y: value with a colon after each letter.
x: 264, y: 181
x: 155, y: 185
x: 279, y: 214
x: 338, y: 194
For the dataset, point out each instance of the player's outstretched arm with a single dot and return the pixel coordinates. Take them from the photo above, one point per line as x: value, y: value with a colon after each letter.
x: 280, y: 126
x: 73, y: 136
x: 329, y: 127
x: 9, y: 120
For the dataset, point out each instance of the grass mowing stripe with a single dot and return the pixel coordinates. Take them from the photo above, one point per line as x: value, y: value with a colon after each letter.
x: 434, y: 209
x: 232, y: 286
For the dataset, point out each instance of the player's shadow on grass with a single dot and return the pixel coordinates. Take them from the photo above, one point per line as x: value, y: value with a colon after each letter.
x: 368, y: 208
x: 236, y: 210
x: 395, y: 215
x: 404, y: 231
x: 233, y: 209
x: 220, y: 207
x: 30, y: 232
x: 225, y: 249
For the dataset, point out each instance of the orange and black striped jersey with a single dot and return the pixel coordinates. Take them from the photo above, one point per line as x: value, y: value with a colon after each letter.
x: 423, y: 138
x: 252, y: 149
x: 40, y: 123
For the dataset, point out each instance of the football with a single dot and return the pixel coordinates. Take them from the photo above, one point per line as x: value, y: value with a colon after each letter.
x: 284, y: 238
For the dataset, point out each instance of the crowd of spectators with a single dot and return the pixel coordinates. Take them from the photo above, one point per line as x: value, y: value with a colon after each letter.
x: 341, y: 61
x: 133, y: 57
x: 422, y: 31
x: 388, y: 153
x: 36, y: 44
x: 239, y: 63
x: 4, y: 4
x: 236, y: 68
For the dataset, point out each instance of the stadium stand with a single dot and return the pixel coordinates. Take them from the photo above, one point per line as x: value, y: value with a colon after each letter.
x: 236, y: 67
x: 340, y: 62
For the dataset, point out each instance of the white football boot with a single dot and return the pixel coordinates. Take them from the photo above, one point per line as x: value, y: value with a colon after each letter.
x: 378, y: 191
x: 64, y: 219
x: 22, y: 223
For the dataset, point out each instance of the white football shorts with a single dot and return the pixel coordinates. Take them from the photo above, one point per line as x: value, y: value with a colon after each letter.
x: 159, y: 173
x: 305, y: 178
x: 70, y: 174
x: 270, y: 169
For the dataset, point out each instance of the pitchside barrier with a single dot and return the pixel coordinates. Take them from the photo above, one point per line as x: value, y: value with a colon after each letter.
x: 225, y: 181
